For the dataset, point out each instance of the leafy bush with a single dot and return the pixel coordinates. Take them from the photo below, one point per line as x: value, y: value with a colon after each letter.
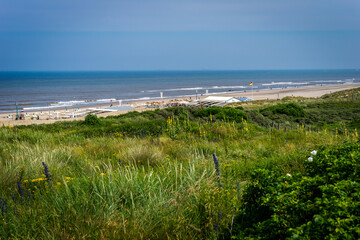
x: 205, y: 112
x: 290, y: 109
x: 231, y: 114
x: 258, y: 118
x: 322, y: 203
x: 240, y: 108
x: 92, y: 119
x: 222, y: 113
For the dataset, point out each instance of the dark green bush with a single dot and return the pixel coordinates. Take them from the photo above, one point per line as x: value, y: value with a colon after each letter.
x: 231, y: 114
x: 144, y: 128
x: 222, y: 113
x: 92, y: 119
x: 290, y: 109
x: 258, y: 118
x: 205, y: 112
x: 322, y: 203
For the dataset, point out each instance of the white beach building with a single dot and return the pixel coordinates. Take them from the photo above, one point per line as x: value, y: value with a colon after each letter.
x: 218, y: 100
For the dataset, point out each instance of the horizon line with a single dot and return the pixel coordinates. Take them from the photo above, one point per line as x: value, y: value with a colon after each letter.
x: 188, y: 70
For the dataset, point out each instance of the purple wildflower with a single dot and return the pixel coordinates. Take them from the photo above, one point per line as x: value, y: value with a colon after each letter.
x: 13, y: 198
x: 47, y: 173
x: 216, y: 228
x: 29, y: 194
x: 3, y: 205
x: 217, y: 168
x: 20, y: 190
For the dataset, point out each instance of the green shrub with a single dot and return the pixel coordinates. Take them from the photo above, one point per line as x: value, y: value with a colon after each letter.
x: 322, y: 203
x: 231, y: 114
x: 205, y: 112
x: 92, y: 119
x: 258, y: 118
x: 222, y: 113
x: 290, y: 109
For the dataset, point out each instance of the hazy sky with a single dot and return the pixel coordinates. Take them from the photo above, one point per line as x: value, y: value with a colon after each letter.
x: 179, y: 35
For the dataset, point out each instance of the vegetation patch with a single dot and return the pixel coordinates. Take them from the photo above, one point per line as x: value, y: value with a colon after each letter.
x: 353, y: 94
x: 186, y: 173
x: 289, y: 109
x: 321, y: 203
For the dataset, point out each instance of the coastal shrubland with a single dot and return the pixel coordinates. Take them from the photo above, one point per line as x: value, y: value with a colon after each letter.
x: 186, y: 173
x: 320, y: 203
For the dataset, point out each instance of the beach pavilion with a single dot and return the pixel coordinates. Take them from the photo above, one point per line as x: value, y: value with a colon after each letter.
x: 217, y: 101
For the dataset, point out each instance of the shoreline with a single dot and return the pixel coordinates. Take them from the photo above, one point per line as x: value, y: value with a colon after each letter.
x: 310, y: 91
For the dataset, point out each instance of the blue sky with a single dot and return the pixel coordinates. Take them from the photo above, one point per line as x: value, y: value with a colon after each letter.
x: 179, y: 35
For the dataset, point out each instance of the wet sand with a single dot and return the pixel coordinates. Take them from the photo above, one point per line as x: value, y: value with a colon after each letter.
x: 313, y: 91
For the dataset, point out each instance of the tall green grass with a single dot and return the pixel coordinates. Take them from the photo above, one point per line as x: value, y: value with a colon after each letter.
x: 110, y: 182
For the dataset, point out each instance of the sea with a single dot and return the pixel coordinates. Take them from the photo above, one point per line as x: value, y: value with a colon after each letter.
x: 44, y: 91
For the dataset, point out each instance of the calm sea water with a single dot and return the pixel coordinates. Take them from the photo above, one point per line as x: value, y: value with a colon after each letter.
x: 49, y: 90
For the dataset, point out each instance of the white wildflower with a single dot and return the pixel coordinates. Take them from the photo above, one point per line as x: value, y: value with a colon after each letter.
x: 288, y: 175
x: 310, y: 159
x: 314, y: 152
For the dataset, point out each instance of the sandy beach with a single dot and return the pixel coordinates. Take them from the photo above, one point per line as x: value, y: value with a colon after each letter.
x: 313, y: 91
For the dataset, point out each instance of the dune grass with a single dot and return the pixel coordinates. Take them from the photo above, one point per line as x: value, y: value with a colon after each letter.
x: 154, y: 180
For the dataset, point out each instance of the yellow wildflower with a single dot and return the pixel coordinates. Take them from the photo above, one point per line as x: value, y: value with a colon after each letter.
x: 38, y: 179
